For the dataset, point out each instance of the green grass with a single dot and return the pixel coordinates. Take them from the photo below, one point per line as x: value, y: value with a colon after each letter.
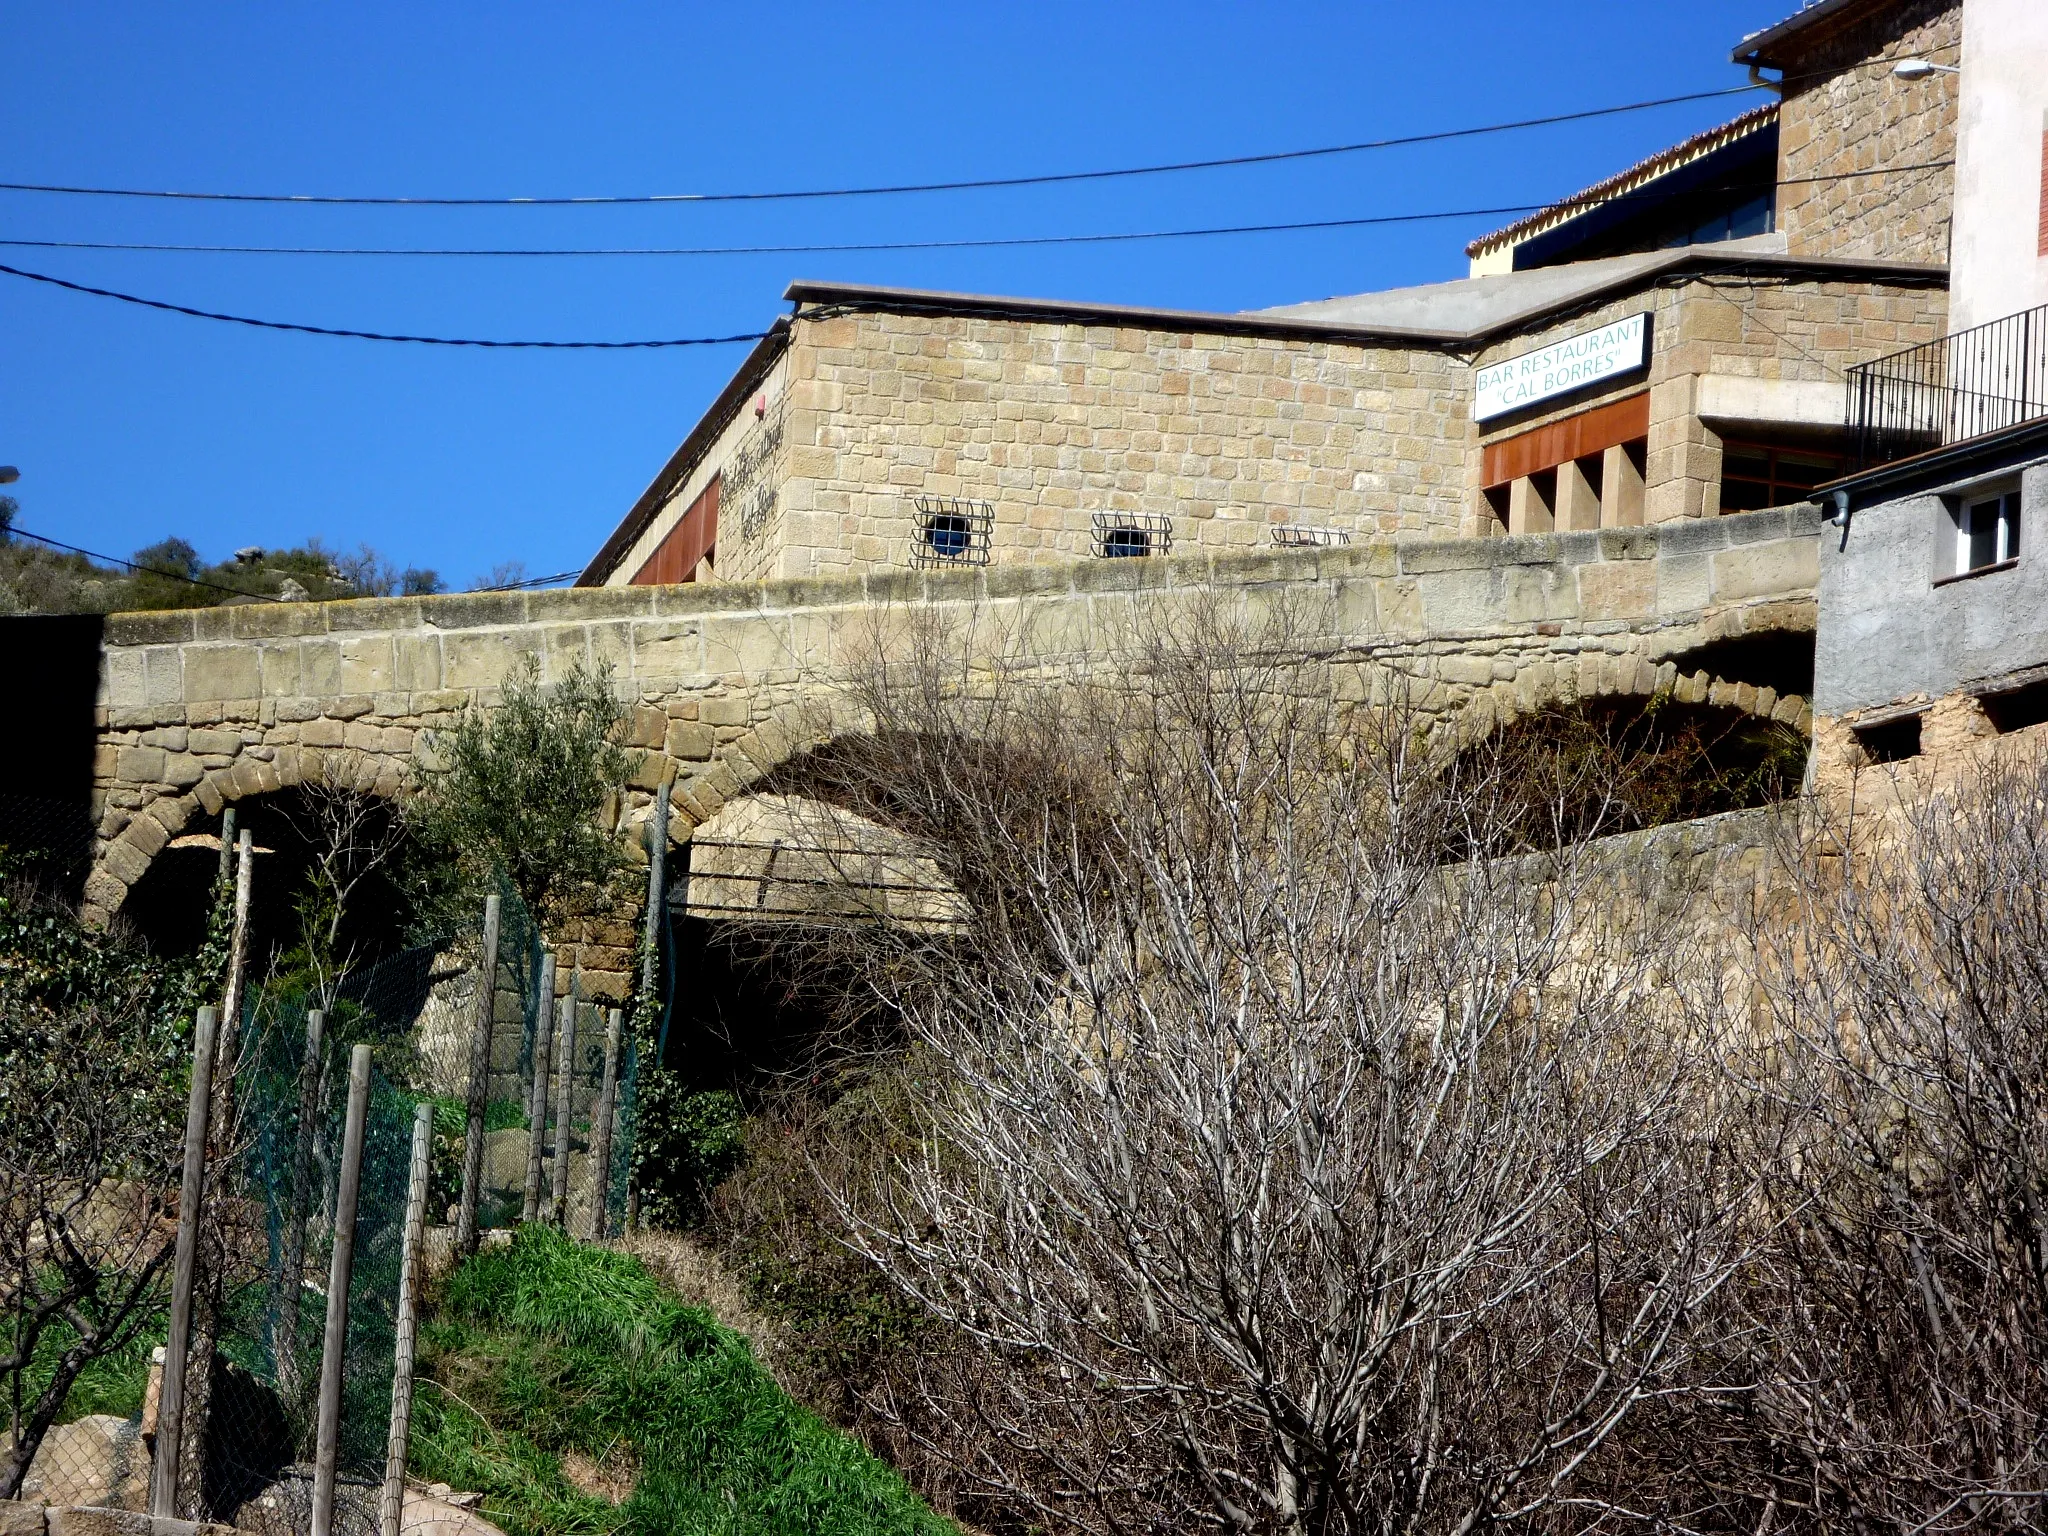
x: 546, y: 1347
x: 112, y: 1384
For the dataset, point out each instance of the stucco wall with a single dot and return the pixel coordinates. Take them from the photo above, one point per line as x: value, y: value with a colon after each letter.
x: 2001, y: 243
x: 1845, y: 112
x: 1889, y: 635
x: 1049, y: 421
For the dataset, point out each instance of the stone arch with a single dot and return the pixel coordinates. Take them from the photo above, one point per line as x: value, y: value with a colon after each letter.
x: 1547, y: 684
x: 123, y: 859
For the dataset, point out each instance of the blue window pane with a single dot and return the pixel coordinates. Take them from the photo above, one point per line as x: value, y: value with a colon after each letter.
x: 1126, y: 541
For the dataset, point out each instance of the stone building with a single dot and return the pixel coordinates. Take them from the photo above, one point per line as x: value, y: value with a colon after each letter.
x: 1668, y: 344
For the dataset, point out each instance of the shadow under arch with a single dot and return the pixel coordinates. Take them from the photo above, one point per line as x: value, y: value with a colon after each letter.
x: 1583, y: 766
x: 169, y: 903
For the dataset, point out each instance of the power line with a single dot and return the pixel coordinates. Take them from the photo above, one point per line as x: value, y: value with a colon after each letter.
x: 976, y: 184
x: 1564, y: 206
x: 190, y: 581
x: 328, y: 330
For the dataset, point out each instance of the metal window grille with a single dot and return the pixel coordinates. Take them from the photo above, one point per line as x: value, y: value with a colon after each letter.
x: 952, y: 530
x: 1117, y: 535
x: 1303, y: 536
x: 1985, y: 379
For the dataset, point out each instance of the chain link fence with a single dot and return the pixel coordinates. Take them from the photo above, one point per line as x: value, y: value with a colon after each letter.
x: 558, y: 1112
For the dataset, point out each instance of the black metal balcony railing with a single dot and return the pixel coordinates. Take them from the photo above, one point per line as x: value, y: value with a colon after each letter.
x: 1981, y: 380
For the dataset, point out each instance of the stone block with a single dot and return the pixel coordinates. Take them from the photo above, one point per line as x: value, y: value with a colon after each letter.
x: 20, y: 1519
x: 1766, y: 570
x: 367, y: 664
x: 667, y: 648
x: 139, y: 765
x: 748, y: 645
x: 222, y: 672
x: 1625, y: 589
x: 484, y: 658
x: 183, y: 770
x: 689, y: 740
x: 416, y: 662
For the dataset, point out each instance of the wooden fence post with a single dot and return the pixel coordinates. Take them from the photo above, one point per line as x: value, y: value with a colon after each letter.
x: 291, y: 1279
x: 479, y: 1081
x: 537, y: 1094
x: 170, y: 1413
x: 334, y: 1347
x: 601, y: 1130
x: 393, y: 1504
x: 227, y: 843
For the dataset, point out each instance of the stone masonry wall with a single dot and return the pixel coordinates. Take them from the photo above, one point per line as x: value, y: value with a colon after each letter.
x: 1226, y: 435
x: 726, y: 681
x: 1763, y: 326
x: 1845, y: 112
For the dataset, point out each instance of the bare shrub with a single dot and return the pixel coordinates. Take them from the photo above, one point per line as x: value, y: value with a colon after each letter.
x: 1267, y: 1172
x: 1898, y: 1333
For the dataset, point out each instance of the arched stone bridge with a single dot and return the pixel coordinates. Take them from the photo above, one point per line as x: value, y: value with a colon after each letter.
x: 199, y: 708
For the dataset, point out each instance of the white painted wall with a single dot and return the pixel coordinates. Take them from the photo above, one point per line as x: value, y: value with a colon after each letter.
x: 1996, y: 266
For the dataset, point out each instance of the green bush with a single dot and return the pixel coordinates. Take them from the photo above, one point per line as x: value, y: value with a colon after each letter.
x: 547, y: 1347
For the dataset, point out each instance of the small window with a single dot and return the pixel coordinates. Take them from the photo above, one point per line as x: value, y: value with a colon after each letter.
x: 1755, y: 476
x: 1890, y: 741
x: 1121, y: 535
x: 953, y: 531
x: 1987, y: 532
x: 2016, y: 708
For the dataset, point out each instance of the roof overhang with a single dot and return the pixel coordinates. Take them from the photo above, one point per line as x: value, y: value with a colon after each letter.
x: 1936, y: 467
x: 1769, y: 48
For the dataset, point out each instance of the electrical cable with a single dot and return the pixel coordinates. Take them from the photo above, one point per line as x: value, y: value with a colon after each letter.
x: 848, y: 247
x: 977, y: 184
x: 191, y: 581
x: 329, y: 330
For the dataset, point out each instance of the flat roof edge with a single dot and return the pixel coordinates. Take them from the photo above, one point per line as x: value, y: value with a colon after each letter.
x: 1244, y: 323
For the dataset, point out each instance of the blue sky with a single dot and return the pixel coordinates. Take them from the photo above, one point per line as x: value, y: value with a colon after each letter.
x: 130, y: 425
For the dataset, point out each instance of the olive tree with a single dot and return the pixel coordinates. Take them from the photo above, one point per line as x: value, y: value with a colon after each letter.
x: 517, y: 791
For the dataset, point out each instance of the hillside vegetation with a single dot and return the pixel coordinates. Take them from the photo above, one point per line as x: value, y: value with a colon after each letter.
x: 579, y: 1396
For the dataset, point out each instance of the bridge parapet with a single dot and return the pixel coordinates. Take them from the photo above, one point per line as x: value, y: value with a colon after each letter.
x: 200, y: 707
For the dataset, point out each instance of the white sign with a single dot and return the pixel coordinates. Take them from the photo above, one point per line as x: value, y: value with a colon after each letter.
x: 1559, y: 369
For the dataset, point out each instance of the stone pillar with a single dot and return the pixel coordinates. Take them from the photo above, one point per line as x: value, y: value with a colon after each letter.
x: 1578, y: 501
x: 1621, y: 488
x: 1528, y: 507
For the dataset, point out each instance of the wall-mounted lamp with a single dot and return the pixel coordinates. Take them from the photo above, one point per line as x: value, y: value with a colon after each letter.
x: 1920, y: 69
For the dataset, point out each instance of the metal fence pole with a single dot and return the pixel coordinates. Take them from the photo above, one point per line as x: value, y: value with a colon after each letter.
x: 601, y: 1130
x: 170, y: 1413
x: 565, y: 1098
x: 479, y: 1081
x: 291, y: 1279
x: 537, y: 1095
x: 335, y: 1346
x: 393, y: 1505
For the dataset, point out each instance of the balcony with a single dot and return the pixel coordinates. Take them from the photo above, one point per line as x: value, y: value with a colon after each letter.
x: 1977, y: 381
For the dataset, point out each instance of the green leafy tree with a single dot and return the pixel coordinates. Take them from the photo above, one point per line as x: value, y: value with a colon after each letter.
x: 518, y: 794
